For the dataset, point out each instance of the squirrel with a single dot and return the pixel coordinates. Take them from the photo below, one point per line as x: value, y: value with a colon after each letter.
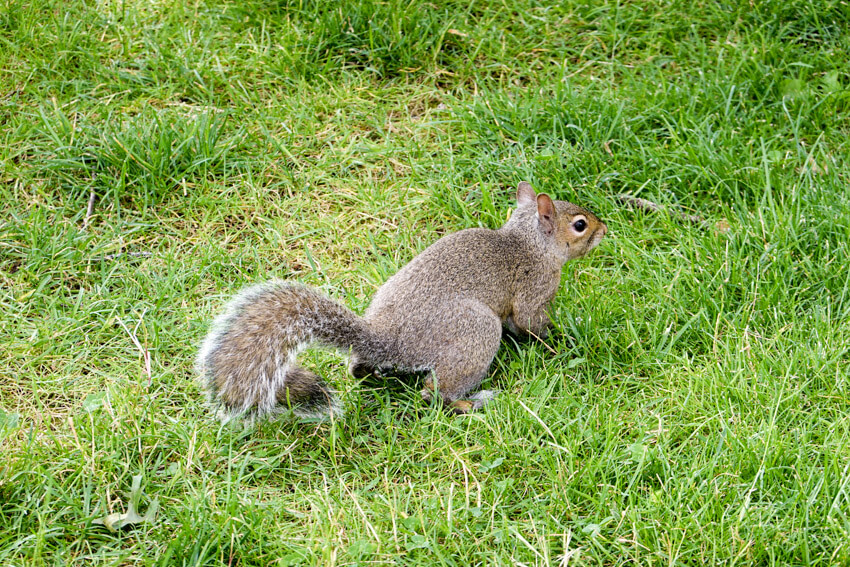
x: 441, y: 315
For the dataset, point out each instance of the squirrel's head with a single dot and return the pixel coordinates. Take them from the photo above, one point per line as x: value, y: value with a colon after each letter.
x: 571, y: 230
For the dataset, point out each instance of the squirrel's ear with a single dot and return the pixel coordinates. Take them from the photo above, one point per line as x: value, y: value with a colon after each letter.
x: 546, y: 213
x: 525, y: 194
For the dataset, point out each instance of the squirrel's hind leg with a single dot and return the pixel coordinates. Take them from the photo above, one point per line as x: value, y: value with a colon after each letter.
x: 476, y: 332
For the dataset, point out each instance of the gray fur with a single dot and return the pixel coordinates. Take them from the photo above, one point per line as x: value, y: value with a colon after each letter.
x: 442, y: 313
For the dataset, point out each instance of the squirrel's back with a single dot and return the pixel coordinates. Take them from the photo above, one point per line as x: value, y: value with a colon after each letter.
x: 461, y: 264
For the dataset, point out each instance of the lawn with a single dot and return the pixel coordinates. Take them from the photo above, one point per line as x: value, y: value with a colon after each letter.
x: 689, y: 408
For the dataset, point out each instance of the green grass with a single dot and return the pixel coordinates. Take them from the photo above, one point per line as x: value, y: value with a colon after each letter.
x: 691, y: 408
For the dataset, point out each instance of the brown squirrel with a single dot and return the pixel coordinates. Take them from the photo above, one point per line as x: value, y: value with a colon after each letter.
x: 442, y: 314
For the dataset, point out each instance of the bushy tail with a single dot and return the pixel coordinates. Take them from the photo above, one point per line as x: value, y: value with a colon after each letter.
x: 247, y: 361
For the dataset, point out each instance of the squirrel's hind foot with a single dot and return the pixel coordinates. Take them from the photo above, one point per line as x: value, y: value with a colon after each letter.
x: 469, y: 403
x: 473, y: 402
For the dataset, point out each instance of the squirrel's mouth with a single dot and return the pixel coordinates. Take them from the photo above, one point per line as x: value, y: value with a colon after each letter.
x: 597, y: 237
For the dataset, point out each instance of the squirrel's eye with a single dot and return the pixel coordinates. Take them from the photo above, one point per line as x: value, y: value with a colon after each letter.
x: 580, y: 225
